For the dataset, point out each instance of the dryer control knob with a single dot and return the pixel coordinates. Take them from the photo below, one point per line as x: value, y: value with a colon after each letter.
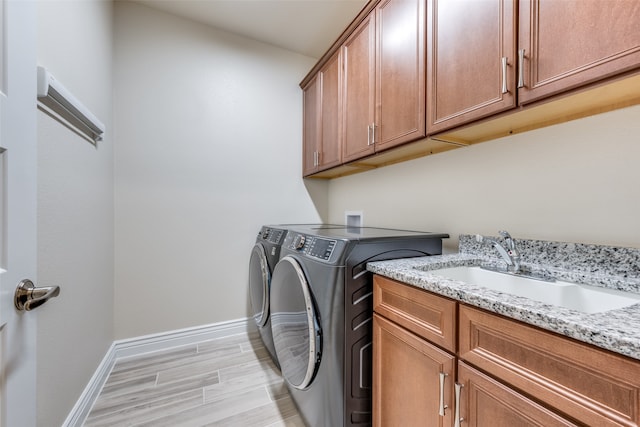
x: 266, y: 232
x: 298, y: 242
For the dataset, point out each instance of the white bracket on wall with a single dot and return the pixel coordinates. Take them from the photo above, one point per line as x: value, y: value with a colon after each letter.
x: 55, y: 100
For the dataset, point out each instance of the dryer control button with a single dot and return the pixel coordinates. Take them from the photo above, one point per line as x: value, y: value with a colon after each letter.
x: 298, y: 242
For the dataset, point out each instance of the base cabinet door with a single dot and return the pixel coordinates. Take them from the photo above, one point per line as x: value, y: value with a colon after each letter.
x: 485, y: 402
x: 406, y: 379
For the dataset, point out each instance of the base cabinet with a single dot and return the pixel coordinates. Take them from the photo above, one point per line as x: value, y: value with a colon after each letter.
x: 499, y: 372
x: 407, y: 389
x: 485, y: 402
x: 588, y: 384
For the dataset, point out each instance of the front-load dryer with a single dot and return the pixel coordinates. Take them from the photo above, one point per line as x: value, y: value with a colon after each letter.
x: 322, y: 312
x: 264, y: 257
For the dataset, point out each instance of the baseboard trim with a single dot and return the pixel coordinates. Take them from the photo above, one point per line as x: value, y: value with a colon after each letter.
x: 156, y: 342
x: 91, y: 392
x: 137, y: 346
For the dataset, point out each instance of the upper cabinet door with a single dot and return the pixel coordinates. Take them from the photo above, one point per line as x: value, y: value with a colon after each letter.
x: 471, y: 60
x: 330, y: 147
x: 570, y: 43
x: 400, y: 79
x: 358, y: 53
x: 310, y: 125
x: 322, y: 119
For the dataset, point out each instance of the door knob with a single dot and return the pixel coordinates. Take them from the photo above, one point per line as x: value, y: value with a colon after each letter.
x: 28, y: 297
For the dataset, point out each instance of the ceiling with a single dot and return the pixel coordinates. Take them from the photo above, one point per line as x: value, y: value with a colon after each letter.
x: 308, y: 27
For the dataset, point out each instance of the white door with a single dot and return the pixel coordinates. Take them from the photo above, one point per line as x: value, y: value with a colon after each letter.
x: 17, y: 209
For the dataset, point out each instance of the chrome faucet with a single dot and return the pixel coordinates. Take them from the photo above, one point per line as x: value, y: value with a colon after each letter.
x: 510, y: 254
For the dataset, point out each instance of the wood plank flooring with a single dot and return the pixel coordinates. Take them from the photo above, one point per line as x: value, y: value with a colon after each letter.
x: 224, y: 382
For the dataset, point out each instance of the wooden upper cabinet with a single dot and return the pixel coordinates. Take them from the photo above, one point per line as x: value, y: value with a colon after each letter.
x: 322, y: 119
x: 310, y: 125
x: 405, y: 69
x: 384, y: 79
x: 400, y: 72
x: 570, y: 43
x: 330, y: 150
x: 358, y: 53
x: 471, y: 60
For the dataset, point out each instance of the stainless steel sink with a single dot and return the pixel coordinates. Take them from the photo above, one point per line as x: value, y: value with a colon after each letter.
x: 583, y: 298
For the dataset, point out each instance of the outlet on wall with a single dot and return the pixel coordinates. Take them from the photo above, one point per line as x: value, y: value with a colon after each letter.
x: 353, y: 219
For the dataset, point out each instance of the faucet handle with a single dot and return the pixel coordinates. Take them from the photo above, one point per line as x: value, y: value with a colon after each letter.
x: 508, y: 239
x: 512, y: 251
x: 504, y: 234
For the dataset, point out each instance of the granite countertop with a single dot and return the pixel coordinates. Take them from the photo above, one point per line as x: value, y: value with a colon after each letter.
x: 604, y: 266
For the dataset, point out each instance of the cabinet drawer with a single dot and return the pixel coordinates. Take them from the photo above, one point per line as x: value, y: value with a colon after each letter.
x: 593, y: 386
x: 429, y: 316
x: 486, y: 402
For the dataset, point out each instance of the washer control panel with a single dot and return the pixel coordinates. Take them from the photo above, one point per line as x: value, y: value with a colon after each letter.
x: 272, y: 235
x: 316, y: 247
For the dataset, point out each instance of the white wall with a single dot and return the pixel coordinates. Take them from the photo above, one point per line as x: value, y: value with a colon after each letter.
x: 577, y: 182
x: 75, y: 208
x: 208, y: 129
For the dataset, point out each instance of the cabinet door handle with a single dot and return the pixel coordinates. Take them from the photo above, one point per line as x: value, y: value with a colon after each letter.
x: 504, y: 74
x: 442, y: 405
x: 520, y: 68
x: 457, y: 417
x: 316, y: 158
x: 371, y: 134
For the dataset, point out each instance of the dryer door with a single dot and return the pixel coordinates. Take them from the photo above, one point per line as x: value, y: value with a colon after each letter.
x: 259, y: 282
x: 294, y: 324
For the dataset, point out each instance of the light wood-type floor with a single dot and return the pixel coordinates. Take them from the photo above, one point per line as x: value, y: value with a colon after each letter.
x: 224, y: 382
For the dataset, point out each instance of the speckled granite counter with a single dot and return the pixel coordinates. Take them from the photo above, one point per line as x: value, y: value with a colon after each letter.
x: 611, y: 267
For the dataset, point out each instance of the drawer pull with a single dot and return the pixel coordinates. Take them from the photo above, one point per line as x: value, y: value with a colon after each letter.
x: 442, y: 405
x: 458, y: 419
